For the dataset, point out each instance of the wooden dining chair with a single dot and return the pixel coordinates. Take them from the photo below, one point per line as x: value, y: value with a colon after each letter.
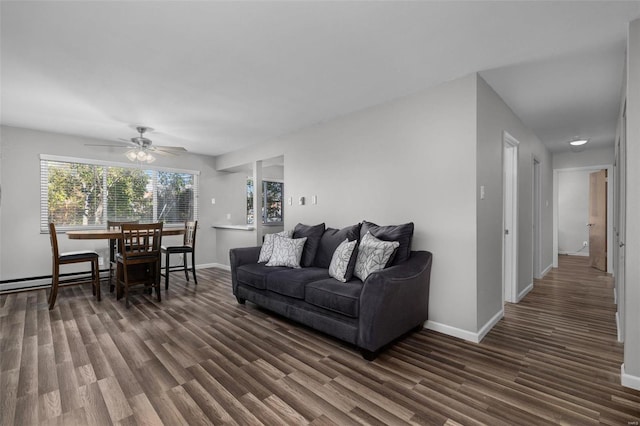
x: 188, y: 246
x: 139, y: 261
x: 58, y: 259
x: 114, y: 225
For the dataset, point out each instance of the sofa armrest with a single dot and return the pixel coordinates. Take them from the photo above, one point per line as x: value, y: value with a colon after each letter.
x: 394, y: 301
x: 241, y: 256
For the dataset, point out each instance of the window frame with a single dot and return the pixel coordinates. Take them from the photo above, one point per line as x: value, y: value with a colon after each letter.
x: 264, y: 200
x: 44, y: 189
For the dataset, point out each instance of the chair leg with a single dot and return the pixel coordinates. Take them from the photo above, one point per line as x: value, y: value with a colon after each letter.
x: 126, y: 285
x: 93, y: 278
x: 193, y: 266
x: 156, y: 279
x: 54, y: 286
x: 184, y: 264
x: 111, y: 277
x: 166, y: 272
x: 95, y: 273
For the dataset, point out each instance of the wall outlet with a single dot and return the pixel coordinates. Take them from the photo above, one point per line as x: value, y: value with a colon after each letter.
x: 585, y: 243
x: 100, y: 261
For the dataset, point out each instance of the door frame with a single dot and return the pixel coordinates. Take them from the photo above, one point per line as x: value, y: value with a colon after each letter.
x: 556, y: 172
x: 510, y: 214
x: 537, y: 217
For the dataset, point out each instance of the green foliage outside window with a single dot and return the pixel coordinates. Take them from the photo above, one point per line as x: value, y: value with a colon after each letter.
x: 87, y: 195
x: 272, y: 195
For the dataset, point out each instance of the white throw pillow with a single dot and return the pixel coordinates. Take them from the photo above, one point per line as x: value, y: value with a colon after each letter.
x: 267, y: 245
x: 340, y: 259
x: 287, y: 251
x: 373, y: 255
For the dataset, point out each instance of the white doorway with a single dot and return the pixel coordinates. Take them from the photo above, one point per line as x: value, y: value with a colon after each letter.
x: 537, y: 227
x: 510, y: 219
x: 620, y: 223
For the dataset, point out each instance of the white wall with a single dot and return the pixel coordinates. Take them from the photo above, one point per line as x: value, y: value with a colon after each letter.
x: 25, y: 251
x: 632, y: 240
x: 420, y: 159
x: 408, y: 160
x: 573, y: 211
x: 231, y: 199
x: 494, y: 118
x: 586, y: 158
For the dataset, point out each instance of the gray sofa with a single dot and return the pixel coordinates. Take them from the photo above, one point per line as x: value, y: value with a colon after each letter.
x: 370, y: 314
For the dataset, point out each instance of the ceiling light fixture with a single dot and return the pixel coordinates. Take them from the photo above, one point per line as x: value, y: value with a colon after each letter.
x: 578, y: 142
x: 140, y: 155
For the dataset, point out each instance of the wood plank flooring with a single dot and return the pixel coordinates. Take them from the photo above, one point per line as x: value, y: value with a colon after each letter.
x: 200, y: 358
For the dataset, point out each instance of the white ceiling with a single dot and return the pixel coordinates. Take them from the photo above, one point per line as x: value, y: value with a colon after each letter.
x: 218, y: 76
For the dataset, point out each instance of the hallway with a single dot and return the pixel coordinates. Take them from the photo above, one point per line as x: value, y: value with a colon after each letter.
x: 564, y: 330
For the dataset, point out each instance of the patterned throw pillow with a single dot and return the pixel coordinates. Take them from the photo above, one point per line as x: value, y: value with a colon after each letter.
x: 340, y: 260
x: 287, y: 252
x: 373, y: 255
x: 267, y: 245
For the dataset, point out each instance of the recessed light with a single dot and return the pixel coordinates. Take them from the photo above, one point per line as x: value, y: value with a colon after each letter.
x: 578, y: 142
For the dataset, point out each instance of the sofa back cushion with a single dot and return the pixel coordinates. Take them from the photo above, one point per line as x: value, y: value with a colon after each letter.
x: 313, y: 235
x: 403, y: 234
x: 331, y: 239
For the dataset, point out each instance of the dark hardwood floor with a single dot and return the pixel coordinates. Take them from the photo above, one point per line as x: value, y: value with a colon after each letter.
x: 200, y: 358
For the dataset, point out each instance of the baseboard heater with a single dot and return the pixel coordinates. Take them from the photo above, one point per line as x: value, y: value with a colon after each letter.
x: 43, y: 281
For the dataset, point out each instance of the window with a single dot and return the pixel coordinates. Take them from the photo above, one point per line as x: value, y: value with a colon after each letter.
x: 272, y: 194
x: 78, y: 193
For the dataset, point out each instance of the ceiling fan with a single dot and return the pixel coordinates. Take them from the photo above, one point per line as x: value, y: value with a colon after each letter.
x: 141, y: 148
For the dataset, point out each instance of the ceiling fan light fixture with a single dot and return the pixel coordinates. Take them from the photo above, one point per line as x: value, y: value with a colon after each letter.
x: 578, y: 142
x: 132, y: 155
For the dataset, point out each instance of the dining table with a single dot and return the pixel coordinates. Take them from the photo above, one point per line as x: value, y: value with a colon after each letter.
x: 113, y: 234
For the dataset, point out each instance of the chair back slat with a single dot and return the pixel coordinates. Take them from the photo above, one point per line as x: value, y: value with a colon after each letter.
x: 141, y: 239
x: 190, y: 228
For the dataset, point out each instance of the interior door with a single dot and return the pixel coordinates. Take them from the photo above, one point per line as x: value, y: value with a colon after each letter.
x: 598, y: 220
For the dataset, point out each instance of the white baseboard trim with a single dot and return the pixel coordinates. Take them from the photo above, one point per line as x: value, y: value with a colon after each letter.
x: 452, y: 331
x: 573, y: 253
x: 628, y: 380
x: 221, y: 266
x: 618, y: 327
x: 490, y: 324
x: 524, y: 292
x: 465, y: 334
x: 546, y: 270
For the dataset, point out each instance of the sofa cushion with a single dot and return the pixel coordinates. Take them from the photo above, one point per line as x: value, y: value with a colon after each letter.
x: 403, y: 234
x: 313, y: 235
x: 267, y: 245
x: 342, y: 259
x: 331, y: 294
x: 330, y: 240
x: 254, y: 274
x: 292, y: 282
x: 373, y: 255
x: 287, y: 251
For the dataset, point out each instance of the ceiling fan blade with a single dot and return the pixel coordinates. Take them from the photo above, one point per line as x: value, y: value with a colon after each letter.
x: 112, y: 145
x: 165, y: 153
x: 171, y: 148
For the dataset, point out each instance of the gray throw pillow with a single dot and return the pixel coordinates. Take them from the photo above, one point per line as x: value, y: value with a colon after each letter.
x: 267, y: 245
x: 373, y: 255
x: 340, y: 260
x: 331, y: 239
x: 403, y: 234
x: 286, y: 252
x: 313, y: 234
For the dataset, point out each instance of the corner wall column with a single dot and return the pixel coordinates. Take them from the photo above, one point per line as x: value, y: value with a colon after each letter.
x: 257, y: 200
